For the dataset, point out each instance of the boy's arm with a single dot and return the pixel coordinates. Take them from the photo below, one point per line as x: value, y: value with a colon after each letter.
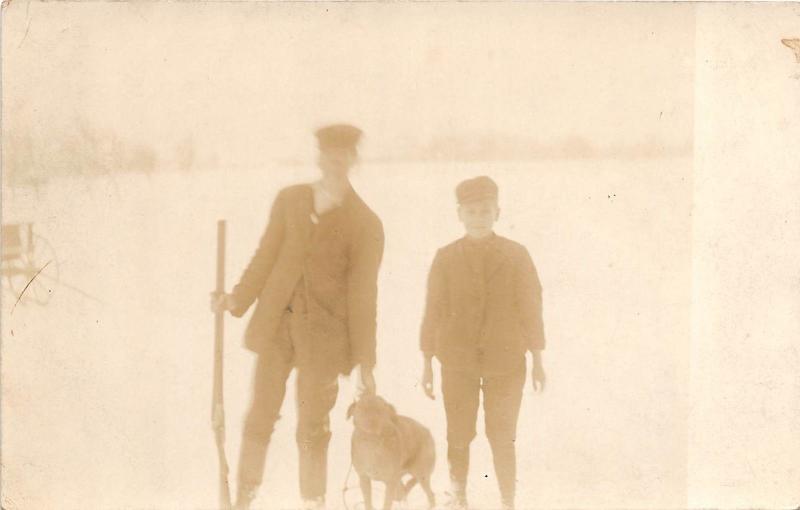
x: 255, y: 275
x: 434, y: 308
x: 362, y: 293
x: 529, y: 299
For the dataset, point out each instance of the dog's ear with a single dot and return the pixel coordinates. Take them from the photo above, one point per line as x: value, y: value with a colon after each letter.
x: 350, y: 410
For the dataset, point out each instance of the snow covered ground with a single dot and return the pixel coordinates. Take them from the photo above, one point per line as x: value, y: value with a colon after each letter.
x: 106, y: 404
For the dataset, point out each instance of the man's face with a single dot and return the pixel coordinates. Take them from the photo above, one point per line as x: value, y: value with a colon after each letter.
x: 336, y: 161
x: 479, y: 216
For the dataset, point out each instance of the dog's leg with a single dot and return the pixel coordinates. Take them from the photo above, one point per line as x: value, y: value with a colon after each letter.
x: 366, y: 491
x: 425, y: 483
x: 405, y: 488
x: 391, y: 491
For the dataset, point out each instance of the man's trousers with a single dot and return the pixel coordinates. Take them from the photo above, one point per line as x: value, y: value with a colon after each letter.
x: 316, y: 396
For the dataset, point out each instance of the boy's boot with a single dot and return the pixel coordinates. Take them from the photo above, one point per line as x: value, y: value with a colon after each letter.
x: 458, y: 459
x: 245, y: 494
x: 507, y: 503
x: 505, y: 468
x: 457, y: 498
x: 314, y: 504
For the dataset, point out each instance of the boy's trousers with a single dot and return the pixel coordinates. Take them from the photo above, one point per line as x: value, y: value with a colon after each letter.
x: 316, y: 396
x: 502, y: 396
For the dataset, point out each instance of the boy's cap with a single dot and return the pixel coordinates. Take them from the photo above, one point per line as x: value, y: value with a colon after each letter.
x: 479, y: 188
x: 338, y: 135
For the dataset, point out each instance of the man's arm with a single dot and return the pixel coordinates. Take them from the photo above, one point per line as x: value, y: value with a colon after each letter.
x: 366, y: 253
x: 255, y: 275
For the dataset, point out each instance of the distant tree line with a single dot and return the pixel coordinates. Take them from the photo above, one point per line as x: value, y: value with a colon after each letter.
x: 85, y: 152
x: 30, y: 159
x: 490, y: 147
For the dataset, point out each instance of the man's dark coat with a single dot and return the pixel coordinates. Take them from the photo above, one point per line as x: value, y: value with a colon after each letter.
x: 336, y: 256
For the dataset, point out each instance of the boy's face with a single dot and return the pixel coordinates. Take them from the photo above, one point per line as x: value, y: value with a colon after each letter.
x: 479, y: 216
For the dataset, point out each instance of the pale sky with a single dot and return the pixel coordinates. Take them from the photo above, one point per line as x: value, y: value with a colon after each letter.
x: 248, y: 82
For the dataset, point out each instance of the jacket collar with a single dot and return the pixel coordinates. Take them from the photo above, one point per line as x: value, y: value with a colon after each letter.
x: 495, y: 256
x: 350, y: 201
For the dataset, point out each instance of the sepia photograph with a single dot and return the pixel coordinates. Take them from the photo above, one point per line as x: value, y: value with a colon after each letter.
x: 400, y: 255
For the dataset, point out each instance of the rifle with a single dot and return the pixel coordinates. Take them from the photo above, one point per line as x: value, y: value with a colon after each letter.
x: 217, y: 407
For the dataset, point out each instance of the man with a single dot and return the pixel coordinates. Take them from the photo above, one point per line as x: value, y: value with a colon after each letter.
x: 314, y: 277
x: 483, y: 313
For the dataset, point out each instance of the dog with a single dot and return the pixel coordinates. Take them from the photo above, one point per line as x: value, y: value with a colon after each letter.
x: 385, y: 447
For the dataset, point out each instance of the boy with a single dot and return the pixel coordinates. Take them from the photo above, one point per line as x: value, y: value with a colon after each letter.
x: 483, y: 313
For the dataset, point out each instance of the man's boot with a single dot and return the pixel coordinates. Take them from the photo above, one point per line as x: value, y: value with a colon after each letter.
x: 313, y: 467
x: 252, y: 458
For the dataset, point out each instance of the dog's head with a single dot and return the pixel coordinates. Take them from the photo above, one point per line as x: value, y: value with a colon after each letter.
x: 372, y: 414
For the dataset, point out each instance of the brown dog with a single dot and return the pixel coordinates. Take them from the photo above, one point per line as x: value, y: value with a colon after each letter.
x: 385, y: 447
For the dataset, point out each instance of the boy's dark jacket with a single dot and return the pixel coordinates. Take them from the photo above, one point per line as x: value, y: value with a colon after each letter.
x: 469, y: 324
x: 339, y: 267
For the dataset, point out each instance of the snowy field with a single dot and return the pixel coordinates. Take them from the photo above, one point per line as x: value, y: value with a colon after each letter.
x: 106, y: 404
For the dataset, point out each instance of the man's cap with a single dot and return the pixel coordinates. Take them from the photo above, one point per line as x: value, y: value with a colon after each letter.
x: 338, y: 135
x: 478, y: 188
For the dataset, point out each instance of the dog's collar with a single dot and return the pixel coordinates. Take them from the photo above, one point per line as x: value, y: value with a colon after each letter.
x: 393, y: 431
